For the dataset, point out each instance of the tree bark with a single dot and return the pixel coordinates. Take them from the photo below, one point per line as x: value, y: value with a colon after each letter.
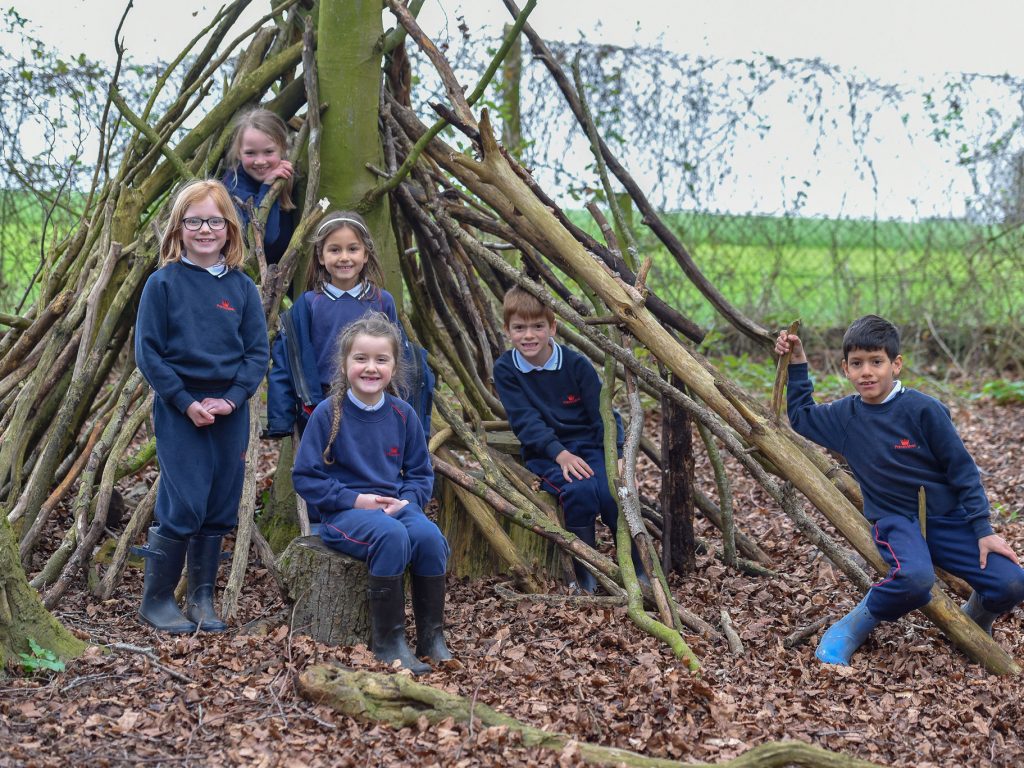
x: 328, y: 592
x: 349, y: 57
x: 677, y: 503
x: 22, y: 615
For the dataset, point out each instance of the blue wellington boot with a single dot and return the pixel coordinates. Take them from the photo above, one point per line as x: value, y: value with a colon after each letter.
x: 977, y: 613
x: 846, y: 635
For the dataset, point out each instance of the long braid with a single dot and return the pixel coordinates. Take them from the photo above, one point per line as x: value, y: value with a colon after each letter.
x: 337, y: 403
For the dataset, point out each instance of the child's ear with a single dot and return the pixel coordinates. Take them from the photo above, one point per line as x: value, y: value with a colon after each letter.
x: 897, y: 365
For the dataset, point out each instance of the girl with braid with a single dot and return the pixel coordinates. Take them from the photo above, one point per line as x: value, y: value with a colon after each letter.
x: 363, y: 465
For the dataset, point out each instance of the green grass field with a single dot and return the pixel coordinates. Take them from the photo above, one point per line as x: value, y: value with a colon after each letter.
x: 827, y: 271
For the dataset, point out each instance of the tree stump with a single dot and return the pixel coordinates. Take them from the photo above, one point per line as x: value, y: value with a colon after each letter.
x: 328, y: 592
x: 471, y: 556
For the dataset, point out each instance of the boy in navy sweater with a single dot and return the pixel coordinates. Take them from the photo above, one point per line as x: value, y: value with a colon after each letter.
x: 897, y: 440
x: 552, y: 397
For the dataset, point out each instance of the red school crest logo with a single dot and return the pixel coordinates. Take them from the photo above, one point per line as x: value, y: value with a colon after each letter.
x: 393, y: 451
x: 905, y: 444
x: 225, y: 304
x: 572, y: 399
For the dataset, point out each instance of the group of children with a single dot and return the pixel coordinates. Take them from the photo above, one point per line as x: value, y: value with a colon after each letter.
x: 347, y: 380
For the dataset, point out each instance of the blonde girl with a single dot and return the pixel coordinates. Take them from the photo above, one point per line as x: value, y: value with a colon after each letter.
x: 256, y: 158
x: 201, y: 343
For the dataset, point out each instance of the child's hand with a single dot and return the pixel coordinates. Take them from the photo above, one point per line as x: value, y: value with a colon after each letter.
x: 390, y: 505
x: 995, y: 544
x: 199, y: 415
x: 283, y: 170
x: 790, y: 342
x: 218, y: 406
x: 573, y: 466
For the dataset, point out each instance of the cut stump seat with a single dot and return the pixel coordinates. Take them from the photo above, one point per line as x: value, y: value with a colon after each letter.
x: 328, y: 591
x: 471, y: 556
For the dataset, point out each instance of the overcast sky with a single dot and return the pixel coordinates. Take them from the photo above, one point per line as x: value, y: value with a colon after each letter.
x: 897, y: 41
x: 886, y: 38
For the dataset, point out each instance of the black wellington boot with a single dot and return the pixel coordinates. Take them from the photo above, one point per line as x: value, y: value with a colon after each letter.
x: 585, y: 580
x: 387, y: 622
x: 428, y: 607
x: 164, y: 560
x: 203, y: 563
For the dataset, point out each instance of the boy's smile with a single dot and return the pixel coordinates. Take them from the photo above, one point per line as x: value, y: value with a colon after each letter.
x: 531, y: 337
x: 872, y: 373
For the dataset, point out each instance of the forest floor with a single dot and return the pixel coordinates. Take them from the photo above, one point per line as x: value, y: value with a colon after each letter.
x: 909, y: 699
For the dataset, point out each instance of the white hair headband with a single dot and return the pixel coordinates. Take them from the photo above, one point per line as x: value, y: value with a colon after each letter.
x: 327, y: 223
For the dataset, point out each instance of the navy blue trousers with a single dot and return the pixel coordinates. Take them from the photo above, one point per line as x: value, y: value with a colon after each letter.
x: 201, y: 470
x: 948, y: 543
x: 388, y: 543
x: 581, y: 500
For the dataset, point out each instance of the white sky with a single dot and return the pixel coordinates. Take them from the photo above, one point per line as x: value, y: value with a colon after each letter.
x: 880, y: 37
x: 894, y: 40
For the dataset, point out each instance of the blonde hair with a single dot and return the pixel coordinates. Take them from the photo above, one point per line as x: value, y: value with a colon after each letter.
x: 374, y: 324
x: 264, y: 121
x: 172, y: 244
x: 371, y: 275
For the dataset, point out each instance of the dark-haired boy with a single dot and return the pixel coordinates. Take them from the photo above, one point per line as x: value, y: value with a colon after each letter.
x: 897, y: 440
x: 552, y: 397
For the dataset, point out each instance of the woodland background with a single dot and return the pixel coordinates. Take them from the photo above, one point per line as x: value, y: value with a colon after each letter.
x: 76, y: 240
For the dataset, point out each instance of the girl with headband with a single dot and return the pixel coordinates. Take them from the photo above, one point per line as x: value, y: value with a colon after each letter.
x: 343, y: 284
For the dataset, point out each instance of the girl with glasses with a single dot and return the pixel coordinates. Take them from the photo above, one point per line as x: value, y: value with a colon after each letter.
x: 201, y: 343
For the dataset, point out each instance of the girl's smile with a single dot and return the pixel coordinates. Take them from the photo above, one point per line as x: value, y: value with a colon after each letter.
x: 369, y: 366
x: 344, y: 257
x: 259, y: 154
x: 203, y: 247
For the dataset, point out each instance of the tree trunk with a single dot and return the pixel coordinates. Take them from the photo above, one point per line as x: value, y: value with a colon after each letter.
x: 677, y: 504
x: 349, y: 57
x: 22, y: 615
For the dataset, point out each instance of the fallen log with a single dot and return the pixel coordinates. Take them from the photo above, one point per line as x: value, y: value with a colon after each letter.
x: 400, y: 701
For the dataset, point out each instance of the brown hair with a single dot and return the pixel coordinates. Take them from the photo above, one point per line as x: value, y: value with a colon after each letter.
x: 371, y: 276
x: 374, y: 324
x: 520, y: 302
x: 171, y: 243
x: 264, y: 121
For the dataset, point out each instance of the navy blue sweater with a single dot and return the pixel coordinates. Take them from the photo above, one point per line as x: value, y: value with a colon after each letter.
x: 329, y: 317
x: 382, y: 452
x: 893, y: 449
x: 200, y: 332
x: 554, y: 411
x: 280, y: 224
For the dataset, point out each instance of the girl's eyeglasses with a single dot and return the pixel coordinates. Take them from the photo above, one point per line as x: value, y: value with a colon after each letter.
x: 194, y: 223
